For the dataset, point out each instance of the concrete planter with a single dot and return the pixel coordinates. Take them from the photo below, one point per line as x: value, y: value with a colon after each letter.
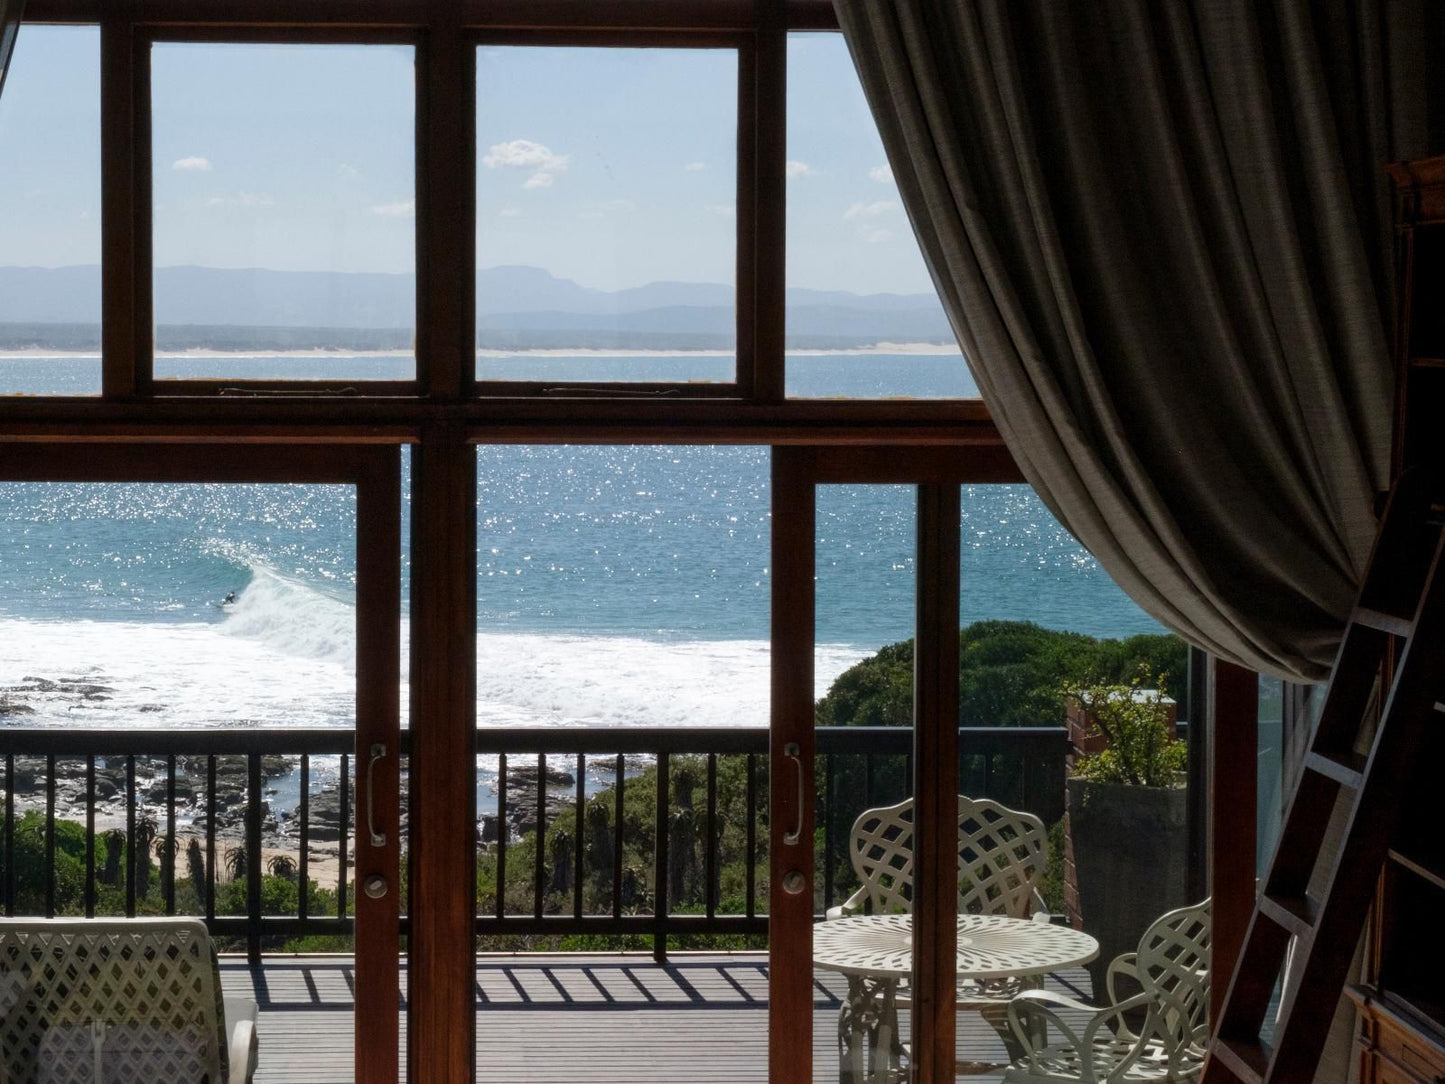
x: 1126, y: 862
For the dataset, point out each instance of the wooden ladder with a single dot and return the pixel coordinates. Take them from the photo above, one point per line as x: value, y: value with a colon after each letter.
x: 1399, y: 616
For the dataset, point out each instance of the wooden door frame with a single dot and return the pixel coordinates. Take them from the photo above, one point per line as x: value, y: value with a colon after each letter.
x: 938, y: 473
x: 375, y: 472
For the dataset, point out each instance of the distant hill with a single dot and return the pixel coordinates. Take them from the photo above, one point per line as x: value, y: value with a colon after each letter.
x: 516, y: 306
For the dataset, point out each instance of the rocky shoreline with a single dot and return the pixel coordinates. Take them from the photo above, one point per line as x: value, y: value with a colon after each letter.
x: 280, y: 820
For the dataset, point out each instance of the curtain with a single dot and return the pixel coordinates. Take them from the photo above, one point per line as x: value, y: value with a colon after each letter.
x: 1161, y: 232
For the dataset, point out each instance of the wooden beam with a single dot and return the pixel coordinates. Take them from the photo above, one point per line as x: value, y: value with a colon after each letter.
x: 762, y: 210
x: 446, y: 256
x: 11, y: 12
x: 1233, y: 803
x: 378, y: 677
x: 441, y: 1000
x: 119, y: 254
x: 790, y: 897
x: 935, y: 786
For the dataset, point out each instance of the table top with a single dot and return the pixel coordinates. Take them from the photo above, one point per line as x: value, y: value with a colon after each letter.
x: 989, y: 946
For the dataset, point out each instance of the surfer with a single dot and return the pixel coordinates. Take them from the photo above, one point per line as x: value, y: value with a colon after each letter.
x: 229, y: 599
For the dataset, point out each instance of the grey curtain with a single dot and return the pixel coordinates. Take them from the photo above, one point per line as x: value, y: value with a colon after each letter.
x: 1160, y: 228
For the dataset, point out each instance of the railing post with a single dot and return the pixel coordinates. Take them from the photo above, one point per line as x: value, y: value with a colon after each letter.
x: 254, y: 864
x: 50, y: 836
x: 659, y: 872
x: 132, y: 861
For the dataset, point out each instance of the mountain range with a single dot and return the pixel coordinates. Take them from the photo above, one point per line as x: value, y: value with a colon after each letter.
x: 515, y: 305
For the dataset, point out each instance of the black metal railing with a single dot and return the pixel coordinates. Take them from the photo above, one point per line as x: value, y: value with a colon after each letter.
x: 706, y: 810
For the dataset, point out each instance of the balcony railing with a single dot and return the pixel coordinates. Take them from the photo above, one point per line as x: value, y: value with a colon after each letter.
x: 190, y: 775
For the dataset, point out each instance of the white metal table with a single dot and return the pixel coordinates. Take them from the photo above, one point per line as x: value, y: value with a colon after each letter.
x: 875, y: 952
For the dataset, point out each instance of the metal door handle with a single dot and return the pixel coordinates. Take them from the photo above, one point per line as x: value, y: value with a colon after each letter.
x: 378, y: 839
x: 794, y: 753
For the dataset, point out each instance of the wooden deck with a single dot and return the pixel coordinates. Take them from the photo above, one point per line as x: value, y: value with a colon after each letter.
x: 604, y: 1019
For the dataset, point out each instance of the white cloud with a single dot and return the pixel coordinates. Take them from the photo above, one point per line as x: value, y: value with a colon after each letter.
x: 694, y: 167
x: 544, y: 163
x: 400, y: 209
x: 882, y: 174
x: 345, y: 169
x: 242, y: 199
x: 871, y: 210
x: 725, y: 209
x: 193, y: 164
x: 878, y: 237
x: 509, y: 212
x: 795, y: 168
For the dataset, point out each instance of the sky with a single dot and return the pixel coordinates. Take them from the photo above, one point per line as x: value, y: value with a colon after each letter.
x: 611, y: 167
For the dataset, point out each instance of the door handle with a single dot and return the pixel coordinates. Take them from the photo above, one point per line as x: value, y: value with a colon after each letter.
x: 794, y: 753
x: 378, y: 839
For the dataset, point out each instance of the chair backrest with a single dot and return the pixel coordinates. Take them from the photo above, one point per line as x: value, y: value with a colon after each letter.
x: 140, y: 996
x: 1174, y: 958
x: 1001, y: 854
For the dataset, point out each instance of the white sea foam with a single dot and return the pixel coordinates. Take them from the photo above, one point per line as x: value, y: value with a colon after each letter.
x: 285, y: 657
x: 169, y: 675
x: 534, y: 679
x: 291, y: 618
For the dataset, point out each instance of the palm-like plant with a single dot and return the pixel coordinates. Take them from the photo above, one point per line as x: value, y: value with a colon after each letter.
x: 146, y: 830
x: 281, y: 865
x: 114, y: 848
x: 166, y: 848
x: 196, y: 868
x: 235, y: 861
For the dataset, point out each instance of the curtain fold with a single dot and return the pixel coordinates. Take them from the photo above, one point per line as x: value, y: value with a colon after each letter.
x: 1161, y: 231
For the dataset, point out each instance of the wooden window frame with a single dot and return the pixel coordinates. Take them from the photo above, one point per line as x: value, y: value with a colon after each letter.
x: 443, y: 412
x: 375, y: 475
x: 445, y: 36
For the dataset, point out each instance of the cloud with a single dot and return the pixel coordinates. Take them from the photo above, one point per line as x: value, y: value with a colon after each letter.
x: 194, y: 164
x: 694, y: 167
x: 878, y: 237
x: 871, y: 210
x: 242, y: 199
x: 727, y: 210
x: 400, y: 209
x: 345, y: 169
x: 509, y: 212
x: 795, y: 168
x: 544, y: 163
x: 882, y: 174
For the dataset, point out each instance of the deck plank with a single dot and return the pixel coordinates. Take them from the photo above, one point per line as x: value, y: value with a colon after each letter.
x: 545, y: 1018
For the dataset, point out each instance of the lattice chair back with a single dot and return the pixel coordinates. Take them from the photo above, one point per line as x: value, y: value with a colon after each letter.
x: 1001, y: 854
x: 125, y: 1001
x: 1173, y: 963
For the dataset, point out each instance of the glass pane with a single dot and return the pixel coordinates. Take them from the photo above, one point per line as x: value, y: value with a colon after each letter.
x: 284, y: 196
x: 623, y: 603
x: 196, y: 610
x: 863, y: 670
x: 863, y: 320
x: 1270, y: 781
x: 50, y: 214
x: 606, y: 232
x: 1064, y: 681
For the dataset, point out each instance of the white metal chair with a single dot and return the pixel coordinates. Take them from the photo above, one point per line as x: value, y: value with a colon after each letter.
x: 1002, y: 853
x: 123, y: 1001
x: 1100, y: 1045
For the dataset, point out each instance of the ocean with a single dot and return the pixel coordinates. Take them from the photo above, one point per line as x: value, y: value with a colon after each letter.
x: 617, y: 585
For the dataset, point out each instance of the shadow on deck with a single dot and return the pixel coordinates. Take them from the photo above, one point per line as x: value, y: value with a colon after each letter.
x: 542, y: 1018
